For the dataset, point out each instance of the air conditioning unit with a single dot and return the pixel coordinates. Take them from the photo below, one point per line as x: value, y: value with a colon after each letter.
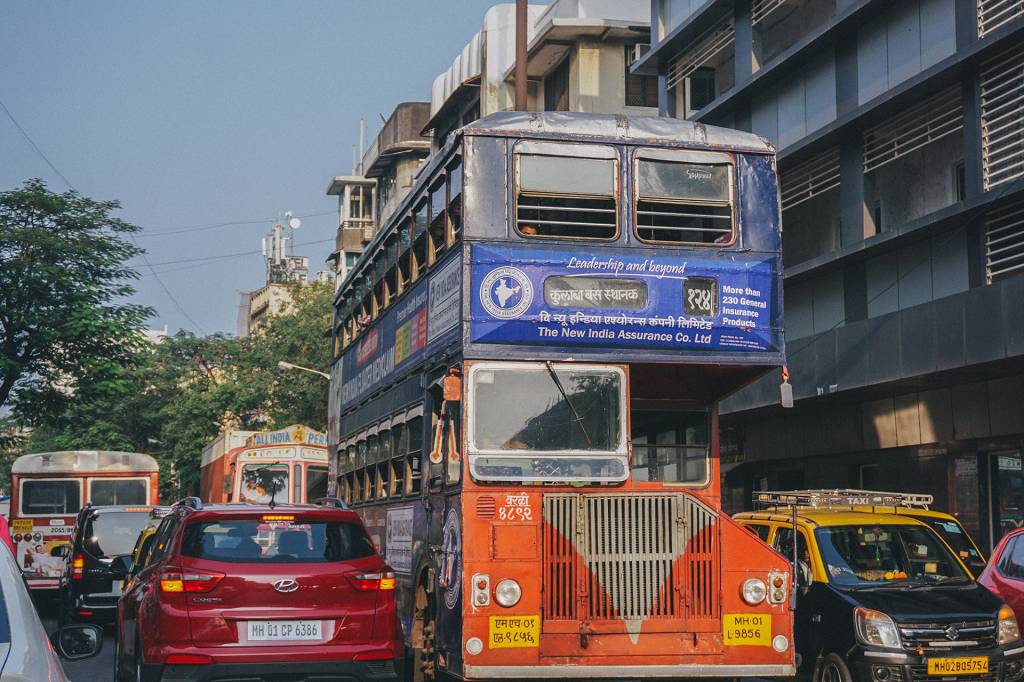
x: 368, y: 233
x: 638, y: 51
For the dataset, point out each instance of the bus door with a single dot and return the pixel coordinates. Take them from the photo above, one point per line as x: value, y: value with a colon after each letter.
x: 42, y: 520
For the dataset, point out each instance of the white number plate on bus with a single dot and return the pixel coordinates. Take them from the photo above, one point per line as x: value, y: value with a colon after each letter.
x: 284, y: 630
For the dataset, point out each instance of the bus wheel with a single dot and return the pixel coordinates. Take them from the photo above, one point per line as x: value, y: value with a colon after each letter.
x: 423, y: 666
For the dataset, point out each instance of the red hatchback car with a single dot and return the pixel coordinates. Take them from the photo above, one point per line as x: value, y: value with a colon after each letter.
x: 1004, y: 574
x: 249, y: 592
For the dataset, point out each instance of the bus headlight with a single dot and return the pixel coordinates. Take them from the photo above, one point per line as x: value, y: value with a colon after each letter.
x: 754, y: 591
x: 508, y: 592
x: 1009, y: 631
x: 875, y: 628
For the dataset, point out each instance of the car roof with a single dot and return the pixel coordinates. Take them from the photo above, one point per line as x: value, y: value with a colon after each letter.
x: 827, y: 517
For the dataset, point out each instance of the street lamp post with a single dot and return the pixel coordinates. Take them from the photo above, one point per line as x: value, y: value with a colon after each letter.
x: 287, y: 365
x: 332, y: 464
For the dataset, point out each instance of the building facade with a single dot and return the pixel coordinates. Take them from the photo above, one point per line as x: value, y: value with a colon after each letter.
x: 900, y: 136
x: 379, y: 182
x: 579, y: 54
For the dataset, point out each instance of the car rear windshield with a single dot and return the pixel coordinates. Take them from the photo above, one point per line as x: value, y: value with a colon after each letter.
x: 293, y: 541
x: 110, y: 534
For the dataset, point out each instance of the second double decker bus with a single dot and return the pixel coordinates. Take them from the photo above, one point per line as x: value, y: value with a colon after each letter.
x: 529, y: 356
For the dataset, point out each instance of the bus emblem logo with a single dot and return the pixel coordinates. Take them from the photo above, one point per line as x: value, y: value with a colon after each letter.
x: 506, y: 293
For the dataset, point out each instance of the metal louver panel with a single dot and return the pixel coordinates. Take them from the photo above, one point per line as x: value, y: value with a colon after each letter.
x: 815, y: 176
x: 995, y: 13
x: 612, y: 557
x: 1002, y: 117
x: 711, y: 43
x: 931, y: 120
x: 762, y: 9
x: 1004, y: 241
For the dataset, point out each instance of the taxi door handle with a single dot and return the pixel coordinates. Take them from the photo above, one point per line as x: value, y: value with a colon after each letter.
x: 816, y: 618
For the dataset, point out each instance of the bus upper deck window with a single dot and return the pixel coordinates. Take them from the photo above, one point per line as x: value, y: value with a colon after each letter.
x: 454, y: 176
x: 686, y: 201
x: 438, y: 221
x: 419, y: 246
x: 566, y: 197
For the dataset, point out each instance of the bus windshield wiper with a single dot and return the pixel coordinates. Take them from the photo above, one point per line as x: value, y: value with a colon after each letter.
x: 579, y: 419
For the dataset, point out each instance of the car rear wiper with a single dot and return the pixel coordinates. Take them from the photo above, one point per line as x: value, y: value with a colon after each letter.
x: 579, y: 419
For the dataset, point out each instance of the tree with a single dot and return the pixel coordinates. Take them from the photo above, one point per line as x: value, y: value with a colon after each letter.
x: 63, y: 288
x: 173, y: 398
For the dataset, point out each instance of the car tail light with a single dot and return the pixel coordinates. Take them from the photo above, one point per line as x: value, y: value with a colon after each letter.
x: 77, y: 567
x: 176, y: 580
x: 373, y: 582
x: 188, y: 659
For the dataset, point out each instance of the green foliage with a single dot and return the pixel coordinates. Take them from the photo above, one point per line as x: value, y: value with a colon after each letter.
x: 63, y: 285
x: 173, y: 398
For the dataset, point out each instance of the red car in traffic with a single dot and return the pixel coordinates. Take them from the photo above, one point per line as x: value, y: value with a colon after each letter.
x: 1004, y: 574
x: 234, y: 591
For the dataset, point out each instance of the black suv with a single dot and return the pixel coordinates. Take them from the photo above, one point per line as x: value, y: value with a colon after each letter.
x: 88, y: 589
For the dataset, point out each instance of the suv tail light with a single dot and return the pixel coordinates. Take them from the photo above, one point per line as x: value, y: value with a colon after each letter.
x: 77, y: 567
x: 176, y: 580
x: 373, y: 582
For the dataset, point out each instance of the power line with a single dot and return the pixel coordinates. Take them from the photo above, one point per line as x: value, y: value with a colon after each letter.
x: 210, y: 226
x: 34, y: 145
x: 236, y: 254
x: 131, y: 236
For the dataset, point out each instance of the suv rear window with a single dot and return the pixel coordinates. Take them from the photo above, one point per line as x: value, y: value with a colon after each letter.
x: 112, y: 533
x: 246, y: 541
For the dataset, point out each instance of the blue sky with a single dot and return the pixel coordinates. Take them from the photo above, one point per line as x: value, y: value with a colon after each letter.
x: 193, y: 113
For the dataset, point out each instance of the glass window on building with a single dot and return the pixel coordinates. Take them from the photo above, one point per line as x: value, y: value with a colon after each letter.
x: 641, y: 91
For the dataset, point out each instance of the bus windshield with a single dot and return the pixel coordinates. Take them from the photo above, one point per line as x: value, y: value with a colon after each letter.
x: 574, y: 418
x: 261, y: 482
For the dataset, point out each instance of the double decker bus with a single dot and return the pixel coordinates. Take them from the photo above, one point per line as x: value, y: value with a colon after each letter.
x: 49, y: 488
x: 288, y: 465
x: 528, y: 361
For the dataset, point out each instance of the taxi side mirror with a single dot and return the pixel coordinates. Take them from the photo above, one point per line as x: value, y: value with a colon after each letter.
x: 120, y: 567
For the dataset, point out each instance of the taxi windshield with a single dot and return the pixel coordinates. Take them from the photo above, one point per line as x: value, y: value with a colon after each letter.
x: 871, y: 555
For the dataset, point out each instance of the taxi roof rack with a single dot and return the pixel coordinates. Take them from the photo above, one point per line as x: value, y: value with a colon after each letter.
x: 840, y: 497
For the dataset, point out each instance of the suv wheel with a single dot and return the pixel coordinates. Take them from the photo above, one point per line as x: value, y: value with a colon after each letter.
x: 833, y: 669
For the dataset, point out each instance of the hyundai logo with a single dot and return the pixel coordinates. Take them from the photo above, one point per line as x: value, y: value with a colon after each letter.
x: 952, y: 632
x: 285, y: 585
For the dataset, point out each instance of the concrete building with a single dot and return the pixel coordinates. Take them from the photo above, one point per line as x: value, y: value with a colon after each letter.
x: 357, y: 220
x: 379, y: 183
x: 900, y: 134
x: 579, y: 57
x: 283, y: 270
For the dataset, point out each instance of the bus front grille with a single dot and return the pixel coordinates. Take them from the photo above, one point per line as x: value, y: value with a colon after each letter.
x: 616, y: 557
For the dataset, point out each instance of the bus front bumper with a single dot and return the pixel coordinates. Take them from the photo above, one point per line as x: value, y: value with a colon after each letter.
x: 515, y: 672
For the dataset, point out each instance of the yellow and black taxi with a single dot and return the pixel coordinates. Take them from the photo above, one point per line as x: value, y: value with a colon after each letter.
x: 882, y: 598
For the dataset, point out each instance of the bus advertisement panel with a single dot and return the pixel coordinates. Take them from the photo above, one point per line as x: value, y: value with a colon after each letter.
x: 48, y: 490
